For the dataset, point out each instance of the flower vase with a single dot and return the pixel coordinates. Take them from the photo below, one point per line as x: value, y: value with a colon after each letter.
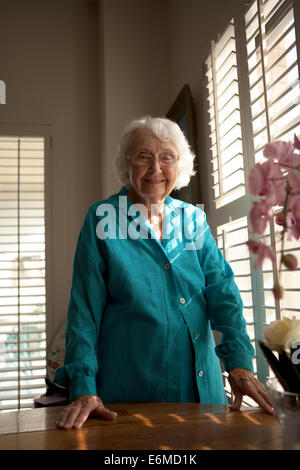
x: 287, y: 408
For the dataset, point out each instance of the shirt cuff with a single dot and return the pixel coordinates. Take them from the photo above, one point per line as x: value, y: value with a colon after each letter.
x: 82, y: 386
x: 239, y: 360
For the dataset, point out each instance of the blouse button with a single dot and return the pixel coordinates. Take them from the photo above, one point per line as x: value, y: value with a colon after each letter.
x: 196, y: 335
x: 182, y: 300
x: 167, y: 266
x: 200, y: 373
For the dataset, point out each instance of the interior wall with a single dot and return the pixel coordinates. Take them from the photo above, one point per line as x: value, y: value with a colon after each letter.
x: 136, y: 69
x: 49, y: 62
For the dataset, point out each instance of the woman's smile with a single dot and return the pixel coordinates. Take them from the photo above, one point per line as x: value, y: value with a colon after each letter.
x: 154, y: 181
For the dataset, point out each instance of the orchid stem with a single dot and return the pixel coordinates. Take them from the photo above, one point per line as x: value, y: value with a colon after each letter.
x: 285, y: 209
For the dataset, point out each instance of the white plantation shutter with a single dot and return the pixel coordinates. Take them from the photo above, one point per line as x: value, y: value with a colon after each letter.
x: 290, y: 304
x: 22, y: 272
x: 273, y: 72
x: 270, y: 50
x: 275, y: 106
x: 291, y: 280
x: 231, y: 239
x: 227, y: 152
x: 225, y: 119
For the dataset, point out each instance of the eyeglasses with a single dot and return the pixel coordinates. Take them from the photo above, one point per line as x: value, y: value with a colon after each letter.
x: 146, y: 159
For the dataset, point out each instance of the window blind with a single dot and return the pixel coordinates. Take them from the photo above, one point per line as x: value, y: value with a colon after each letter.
x: 231, y: 240
x: 225, y: 120
x: 275, y: 106
x: 269, y: 48
x: 22, y: 272
x: 290, y: 280
x: 273, y: 72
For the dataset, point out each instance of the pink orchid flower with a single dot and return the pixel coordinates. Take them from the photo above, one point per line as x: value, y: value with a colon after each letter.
x: 296, y: 142
x: 293, y: 159
x: 280, y: 195
x: 276, y: 196
x: 289, y: 219
x: 277, y: 182
x: 279, y: 151
x: 293, y: 218
x: 261, y: 251
x: 266, y: 179
x: 280, y: 218
x: 259, y: 177
x: 292, y: 226
x: 260, y: 215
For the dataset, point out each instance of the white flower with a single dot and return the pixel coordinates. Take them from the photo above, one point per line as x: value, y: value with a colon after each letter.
x: 293, y: 334
x: 282, y: 333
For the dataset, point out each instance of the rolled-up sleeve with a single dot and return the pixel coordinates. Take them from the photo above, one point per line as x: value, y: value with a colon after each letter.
x: 225, y: 307
x: 86, y: 304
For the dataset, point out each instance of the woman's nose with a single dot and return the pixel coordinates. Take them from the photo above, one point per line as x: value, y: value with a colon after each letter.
x: 155, y: 165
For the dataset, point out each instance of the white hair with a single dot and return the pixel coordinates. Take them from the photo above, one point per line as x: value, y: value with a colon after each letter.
x: 165, y: 130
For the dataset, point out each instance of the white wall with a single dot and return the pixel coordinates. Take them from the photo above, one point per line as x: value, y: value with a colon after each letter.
x: 49, y: 61
x: 136, y: 68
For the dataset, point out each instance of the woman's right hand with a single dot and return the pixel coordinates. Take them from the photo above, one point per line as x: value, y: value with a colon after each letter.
x: 77, y: 412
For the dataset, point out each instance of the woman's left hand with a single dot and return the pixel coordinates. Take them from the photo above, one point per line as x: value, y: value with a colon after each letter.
x: 243, y: 382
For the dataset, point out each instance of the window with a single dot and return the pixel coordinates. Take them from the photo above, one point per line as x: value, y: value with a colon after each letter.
x: 225, y: 119
x: 273, y: 72
x: 255, y: 287
x: 270, y: 90
x: 231, y: 239
x: 275, y: 107
x: 22, y: 272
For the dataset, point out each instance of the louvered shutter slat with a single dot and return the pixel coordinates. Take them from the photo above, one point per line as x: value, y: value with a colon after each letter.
x: 22, y: 272
x: 225, y: 122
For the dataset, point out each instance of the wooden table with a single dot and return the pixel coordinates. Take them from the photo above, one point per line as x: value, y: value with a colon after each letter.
x: 145, y: 426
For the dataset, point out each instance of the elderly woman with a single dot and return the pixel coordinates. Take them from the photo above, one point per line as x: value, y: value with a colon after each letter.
x: 149, y: 286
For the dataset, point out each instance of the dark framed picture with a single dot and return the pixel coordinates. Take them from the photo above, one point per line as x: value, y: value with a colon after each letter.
x: 182, y: 112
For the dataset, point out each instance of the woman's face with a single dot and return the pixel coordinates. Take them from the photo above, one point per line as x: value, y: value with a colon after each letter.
x: 152, y: 183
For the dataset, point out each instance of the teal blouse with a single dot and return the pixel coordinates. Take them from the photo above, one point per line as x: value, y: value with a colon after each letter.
x: 141, y: 312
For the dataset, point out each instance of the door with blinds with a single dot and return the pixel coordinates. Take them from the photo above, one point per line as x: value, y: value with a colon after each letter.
x: 22, y: 270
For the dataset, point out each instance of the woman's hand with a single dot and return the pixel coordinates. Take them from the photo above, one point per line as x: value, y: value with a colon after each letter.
x: 243, y: 382
x: 77, y: 412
